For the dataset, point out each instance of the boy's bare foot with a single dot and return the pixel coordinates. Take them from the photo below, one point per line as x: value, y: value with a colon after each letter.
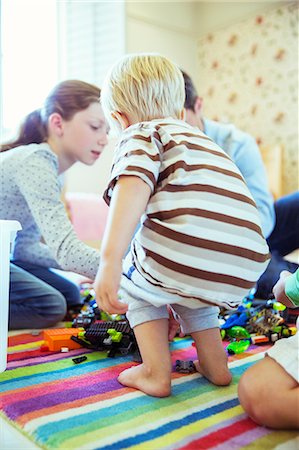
x: 221, y: 377
x: 140, y: 378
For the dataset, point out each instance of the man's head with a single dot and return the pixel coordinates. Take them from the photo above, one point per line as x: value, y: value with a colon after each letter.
x: 143, y: 87
x: 193, y: 103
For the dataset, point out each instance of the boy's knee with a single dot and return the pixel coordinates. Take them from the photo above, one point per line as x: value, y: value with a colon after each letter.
x: 223, y: 379
x: 245, y: 393
x: 252, y: 399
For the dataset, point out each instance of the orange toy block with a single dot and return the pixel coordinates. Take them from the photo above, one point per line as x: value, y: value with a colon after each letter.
x: 61, y: 337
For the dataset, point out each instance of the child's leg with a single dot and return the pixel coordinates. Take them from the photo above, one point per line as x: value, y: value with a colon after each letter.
x: 153, y: 376
x: 203, y: 325
x: 269, y: 395
x: 212, y: 357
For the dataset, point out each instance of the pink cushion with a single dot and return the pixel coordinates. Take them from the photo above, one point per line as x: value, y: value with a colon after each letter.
x: 88, y: 213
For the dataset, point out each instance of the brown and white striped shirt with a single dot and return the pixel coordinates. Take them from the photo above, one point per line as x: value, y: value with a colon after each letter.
x: 200, y: 236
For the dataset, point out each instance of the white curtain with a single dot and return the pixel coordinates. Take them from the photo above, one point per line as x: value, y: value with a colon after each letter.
x: 91, y: 38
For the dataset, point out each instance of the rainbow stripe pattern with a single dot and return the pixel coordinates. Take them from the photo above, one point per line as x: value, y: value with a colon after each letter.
x: 61, y: 405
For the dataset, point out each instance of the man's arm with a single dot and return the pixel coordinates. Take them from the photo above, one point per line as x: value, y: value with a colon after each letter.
x: 247, y: 158
x: 244, y: 151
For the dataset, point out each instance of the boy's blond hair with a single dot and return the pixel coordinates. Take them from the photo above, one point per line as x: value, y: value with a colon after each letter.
x: 145, y: 86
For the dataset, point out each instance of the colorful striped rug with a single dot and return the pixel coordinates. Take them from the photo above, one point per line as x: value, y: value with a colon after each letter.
x: 61, y: 405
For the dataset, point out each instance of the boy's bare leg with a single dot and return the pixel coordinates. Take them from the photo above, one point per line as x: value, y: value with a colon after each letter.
x: 153, y: 376
x: 269, y: 395
x: 212, y: 362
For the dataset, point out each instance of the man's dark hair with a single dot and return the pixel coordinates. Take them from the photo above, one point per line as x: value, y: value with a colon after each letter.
x: 190, y: 90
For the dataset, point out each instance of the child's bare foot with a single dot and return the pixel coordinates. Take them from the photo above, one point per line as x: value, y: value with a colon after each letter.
x: 222, y: 377
x: 140, y: 378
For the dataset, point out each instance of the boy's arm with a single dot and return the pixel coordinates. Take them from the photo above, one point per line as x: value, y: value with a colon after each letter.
x: 292, y: 288
x: 128, y: 203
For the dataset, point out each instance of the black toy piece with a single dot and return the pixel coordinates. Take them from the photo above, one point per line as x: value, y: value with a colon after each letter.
x: 114, y: 336
x: 79, y: 359
x: 184, y: 366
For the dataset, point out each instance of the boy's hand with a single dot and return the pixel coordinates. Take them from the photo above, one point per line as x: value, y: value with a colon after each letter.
x: 106, y: 287
x: 173, y: 325
x: 279, y: 289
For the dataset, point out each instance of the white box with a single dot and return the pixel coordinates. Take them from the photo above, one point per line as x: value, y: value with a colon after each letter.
x: 8, y: 231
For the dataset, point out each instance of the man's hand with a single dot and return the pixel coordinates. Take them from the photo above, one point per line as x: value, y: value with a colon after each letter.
x: 106, y: 287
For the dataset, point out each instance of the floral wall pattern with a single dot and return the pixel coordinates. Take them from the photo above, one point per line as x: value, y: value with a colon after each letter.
x: 249, y: 76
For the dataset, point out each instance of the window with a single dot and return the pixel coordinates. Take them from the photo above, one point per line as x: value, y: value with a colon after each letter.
x: 92, y: 34
x: 44, y: 42
x: 29, y: 58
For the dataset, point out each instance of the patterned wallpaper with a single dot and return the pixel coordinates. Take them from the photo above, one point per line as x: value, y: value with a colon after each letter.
x: 249, y: 76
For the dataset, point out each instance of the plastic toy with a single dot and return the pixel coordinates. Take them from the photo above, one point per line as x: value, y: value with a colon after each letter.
x: 264, y: 321
x: 184, y: 366
x: 238, y: 346
x: 258, y: 318
x: 240, y: 340
x: 240, y: 316
x: 112, y: 336
x: 259, y: 339
x: 238, y: 333
x: 57, y: 338
x: 79, y: 359
x: 90, y: 312
x: 44, y: 348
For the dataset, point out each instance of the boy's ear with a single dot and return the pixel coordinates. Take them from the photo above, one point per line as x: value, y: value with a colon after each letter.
x: 121, y: 118
x: 56, y: 123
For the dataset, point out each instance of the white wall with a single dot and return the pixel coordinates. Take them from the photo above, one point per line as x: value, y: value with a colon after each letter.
x: 164, y: 27
x: 249, y: 76
x: 171, y: 28
x: 214, y: 15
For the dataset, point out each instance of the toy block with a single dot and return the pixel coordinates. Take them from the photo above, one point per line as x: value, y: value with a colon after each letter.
x: 57, y: 338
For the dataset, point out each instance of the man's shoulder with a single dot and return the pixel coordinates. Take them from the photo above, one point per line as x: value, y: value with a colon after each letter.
x: 226, y: 131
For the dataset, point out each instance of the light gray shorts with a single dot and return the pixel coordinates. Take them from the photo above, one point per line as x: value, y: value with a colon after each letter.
x: 191, y: 320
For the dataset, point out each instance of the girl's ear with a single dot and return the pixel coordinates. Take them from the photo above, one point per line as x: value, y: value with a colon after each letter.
x: 56, y: 124
x: 121, y: 118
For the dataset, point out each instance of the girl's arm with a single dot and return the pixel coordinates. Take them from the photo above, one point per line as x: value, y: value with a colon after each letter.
x: 129, y: 200
x: 37, y: 180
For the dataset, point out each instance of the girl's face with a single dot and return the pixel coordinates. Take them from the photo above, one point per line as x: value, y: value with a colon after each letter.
x: 85, y: 135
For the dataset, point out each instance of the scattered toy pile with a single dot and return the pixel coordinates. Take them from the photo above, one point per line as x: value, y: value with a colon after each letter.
x: 254, y: 323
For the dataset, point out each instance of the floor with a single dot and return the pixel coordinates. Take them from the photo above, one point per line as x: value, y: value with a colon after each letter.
x: 11, y: 439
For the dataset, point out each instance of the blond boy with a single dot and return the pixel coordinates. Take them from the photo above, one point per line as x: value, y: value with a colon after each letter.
x: 199, y: 245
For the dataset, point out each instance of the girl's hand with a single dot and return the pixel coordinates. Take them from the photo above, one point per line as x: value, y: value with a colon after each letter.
x: 107, y: 285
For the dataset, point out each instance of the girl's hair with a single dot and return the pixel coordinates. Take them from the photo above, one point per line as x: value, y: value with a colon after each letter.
x: 67, y: 98
x: 146, y: 85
